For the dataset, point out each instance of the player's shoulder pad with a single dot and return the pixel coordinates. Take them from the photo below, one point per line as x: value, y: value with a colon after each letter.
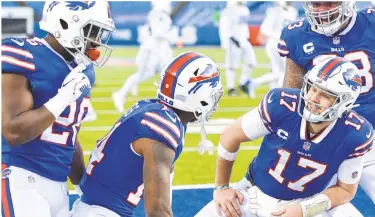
x: 17, y: 56
x: 361, y: 134
x: 277, y: 104
x: 161, y: 123
x: 290, y: 36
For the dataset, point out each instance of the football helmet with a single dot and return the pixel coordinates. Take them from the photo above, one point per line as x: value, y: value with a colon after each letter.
x: 329, y: 21
x: 82, y: 28
x: 335, y: 77
x: 191, y: 82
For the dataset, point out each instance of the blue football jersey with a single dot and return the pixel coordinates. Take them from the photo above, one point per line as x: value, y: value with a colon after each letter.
x: 293, y: 164
x: 355, y: 43
x: 51, y: 153
x: 114, y: 175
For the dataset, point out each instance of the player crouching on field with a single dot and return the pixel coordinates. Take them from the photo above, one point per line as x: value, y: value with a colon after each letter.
x: 309, y: 135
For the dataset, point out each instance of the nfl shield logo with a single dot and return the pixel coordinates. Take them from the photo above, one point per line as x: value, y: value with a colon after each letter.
x: 354, y: 174
x: 336, y: 40
x: 306, y: 146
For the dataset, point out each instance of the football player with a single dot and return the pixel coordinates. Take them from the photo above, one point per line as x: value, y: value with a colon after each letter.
x: 309, y: 135
x: 45, y: 88
x: 335, y: 29
x: 276, y: 19
x: 135, y: 158
x: 234, y: 37
x: 153, y: 54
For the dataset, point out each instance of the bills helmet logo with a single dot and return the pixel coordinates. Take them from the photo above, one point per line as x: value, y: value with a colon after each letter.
x: 352, y: 79
x: 83, y: 5
x: 209, y: 75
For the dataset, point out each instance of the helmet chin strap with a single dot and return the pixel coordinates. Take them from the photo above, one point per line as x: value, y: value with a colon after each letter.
x: 204, y: 144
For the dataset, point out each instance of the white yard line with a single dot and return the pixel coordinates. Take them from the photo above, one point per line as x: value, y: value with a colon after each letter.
x: 227, y: 109
x: 177, y: 187
x: 137, y: 98
x: 195, y: 149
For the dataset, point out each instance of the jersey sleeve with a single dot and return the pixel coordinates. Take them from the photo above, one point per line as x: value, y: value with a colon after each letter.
x: 277, y: 104
x: 283, y: 47
x: 163, y: 127
x: 290, y: 41
x: 253, y: 126
x: 350, y: 170
x: 362, y: 141
x: 16, y: 57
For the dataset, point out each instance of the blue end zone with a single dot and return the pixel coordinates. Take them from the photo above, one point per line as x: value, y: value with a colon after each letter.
x: 187, y: 202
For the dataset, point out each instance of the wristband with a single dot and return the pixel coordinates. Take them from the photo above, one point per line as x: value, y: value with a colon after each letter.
x: 229, y: 156
x: 315, y: 205
x: 221, y: 187
x: 57, y: 104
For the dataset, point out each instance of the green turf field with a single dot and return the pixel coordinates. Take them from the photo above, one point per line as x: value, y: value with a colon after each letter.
x: 190, y: 168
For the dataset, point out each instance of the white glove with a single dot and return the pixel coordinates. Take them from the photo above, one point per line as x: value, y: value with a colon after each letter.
x: 252, y: 202
x: 75, y: 83
x: 73, y: 86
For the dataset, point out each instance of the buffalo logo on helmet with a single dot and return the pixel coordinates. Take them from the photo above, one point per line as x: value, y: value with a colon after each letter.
x: 82, y: 5
x: 208, y: 75
x: 352, y: 79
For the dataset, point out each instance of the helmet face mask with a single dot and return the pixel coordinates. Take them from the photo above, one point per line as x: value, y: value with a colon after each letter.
x: 328, y: 17
x: 329, y: 90
x: 82, y: 28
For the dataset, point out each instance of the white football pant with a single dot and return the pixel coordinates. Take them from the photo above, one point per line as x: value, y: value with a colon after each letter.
x: 234, y: 54
x: 272, y: 204
x: 153, y: 55
x: 276, y: 76
x: 27, y: 194
x: 81, y: 209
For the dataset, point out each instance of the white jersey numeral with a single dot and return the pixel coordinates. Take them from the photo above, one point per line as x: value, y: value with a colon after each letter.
x: 97, y: 154
x: 73, y: 118
x: 298, y: 185
x: 135, y: 198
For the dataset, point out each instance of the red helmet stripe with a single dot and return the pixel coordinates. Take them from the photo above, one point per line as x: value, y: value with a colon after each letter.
x: 174, y: 70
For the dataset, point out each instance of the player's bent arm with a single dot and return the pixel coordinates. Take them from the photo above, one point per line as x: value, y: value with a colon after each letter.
x: 349, y: 174
x: 293, y: 74
x: 158, y: 160
x: 78, y: 164
x: 19, y: 122
x: 246, y: 128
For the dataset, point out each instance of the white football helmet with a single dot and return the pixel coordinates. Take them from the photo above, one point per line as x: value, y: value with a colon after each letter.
x: 191, y: 82
x: 330, y: 21
x: 82, y: 28
x: 336, y: 77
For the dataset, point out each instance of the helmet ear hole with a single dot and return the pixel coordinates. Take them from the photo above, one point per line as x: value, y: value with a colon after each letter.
x: 204, y: 103
x: 63, y: 24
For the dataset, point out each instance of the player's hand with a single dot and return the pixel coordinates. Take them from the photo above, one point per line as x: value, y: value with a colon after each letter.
x: 75, y: 84
x: 294, y: 210
x: 227, y: 200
